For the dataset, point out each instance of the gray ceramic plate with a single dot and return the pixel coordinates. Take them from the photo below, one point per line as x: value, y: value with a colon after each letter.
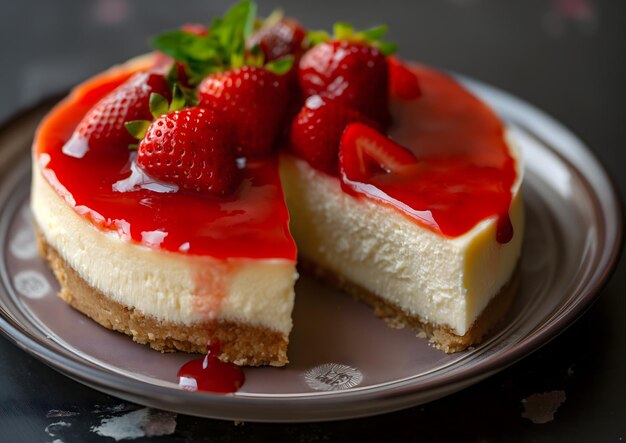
x: 344, y: 362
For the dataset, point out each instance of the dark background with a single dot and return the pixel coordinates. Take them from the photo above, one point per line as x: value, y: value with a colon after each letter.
x: 567, y: 57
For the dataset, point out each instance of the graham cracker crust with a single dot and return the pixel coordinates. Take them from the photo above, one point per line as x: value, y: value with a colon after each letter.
x: 441, y: 337
x: 241, y: 344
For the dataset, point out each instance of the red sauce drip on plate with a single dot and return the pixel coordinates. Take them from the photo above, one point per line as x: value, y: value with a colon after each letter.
x: 251, y: 223
x: 210, y: 374
x: 464, y: 173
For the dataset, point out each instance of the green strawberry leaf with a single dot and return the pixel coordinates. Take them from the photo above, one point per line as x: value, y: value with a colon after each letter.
x: 137, y: 128
x: 387, y: 48
x: 280, y: 66
x: 375, y: 33
x: 172, y: 75
x: 315, y: 37
x: 178, y: 99
x: 255, y: 56
x: 158, y: 105
x: 133, y: 146
x: 190, y: 96
x: 343, y: 31
x: 236, y: 60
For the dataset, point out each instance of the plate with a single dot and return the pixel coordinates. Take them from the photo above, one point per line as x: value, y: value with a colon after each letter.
x: 345, y: 363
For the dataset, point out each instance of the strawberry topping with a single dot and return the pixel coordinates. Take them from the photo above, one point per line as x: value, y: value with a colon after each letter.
x: 354, y: 73
x: 253, y: 100
x: 285, y: 37
x: 102, y: 128
x: 191, y: 148
x: 402, y: 81
x: 365, y: 152
x: 316, y: 131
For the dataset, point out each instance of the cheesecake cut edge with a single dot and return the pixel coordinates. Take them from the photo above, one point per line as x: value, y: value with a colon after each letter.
x: 432, y: 280
x: 440, y: 336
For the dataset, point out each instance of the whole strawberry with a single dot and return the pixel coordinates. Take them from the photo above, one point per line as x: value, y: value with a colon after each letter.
x: 253, y: 100
x: 192, y: 148
x: 352, y: 68
x: 403, y: 83
x: 102, y: 128
x: 354, y: 73
x: 279, y: 39
x: 317, y: 129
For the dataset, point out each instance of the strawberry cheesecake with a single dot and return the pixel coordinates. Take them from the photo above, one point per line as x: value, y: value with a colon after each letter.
x: 173, y: 194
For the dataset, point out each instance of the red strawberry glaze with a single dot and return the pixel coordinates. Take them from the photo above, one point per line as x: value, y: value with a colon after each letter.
x: 465, y: 176
x: 251, y: 223
x: 464, y: 172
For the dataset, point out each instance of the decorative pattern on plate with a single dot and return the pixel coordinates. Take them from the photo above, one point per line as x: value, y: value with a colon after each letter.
x: 31, y: 284
x: 333, y: 377
x: 23, y: 245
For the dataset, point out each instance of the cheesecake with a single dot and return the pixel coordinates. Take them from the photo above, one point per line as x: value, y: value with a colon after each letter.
x: 415, y: 210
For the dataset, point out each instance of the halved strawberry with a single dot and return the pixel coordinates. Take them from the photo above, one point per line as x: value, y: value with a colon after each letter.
x: 102, y: 128
x: 253, y: 100
x: 192, y: 148
x: 316, y: 131
x: 364, y: 152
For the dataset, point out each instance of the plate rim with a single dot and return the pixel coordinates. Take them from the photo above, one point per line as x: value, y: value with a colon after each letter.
x: 386, y: 399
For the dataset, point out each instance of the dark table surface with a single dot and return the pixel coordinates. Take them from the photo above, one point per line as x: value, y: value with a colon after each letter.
x: 567, y: 57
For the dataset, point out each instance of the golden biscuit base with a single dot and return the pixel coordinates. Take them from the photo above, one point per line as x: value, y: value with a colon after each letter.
x: 241, y: 344
x: 440, y: 336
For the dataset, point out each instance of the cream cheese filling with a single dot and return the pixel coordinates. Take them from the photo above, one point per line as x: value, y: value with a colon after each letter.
x: 441, y: 280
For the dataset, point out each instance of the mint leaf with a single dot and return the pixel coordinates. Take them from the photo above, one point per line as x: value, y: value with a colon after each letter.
x: 184, y: 46
x: 250, y: 19
x: 232, y: 31
x: 222, y: 48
